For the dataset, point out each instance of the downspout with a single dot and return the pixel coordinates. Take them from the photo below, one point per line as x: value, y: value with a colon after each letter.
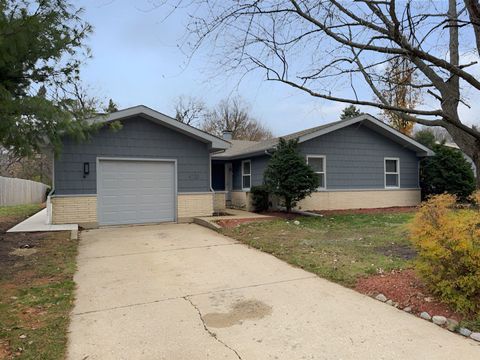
x: 52, y: 191
x: 210, y: 171
x: 210, y: 181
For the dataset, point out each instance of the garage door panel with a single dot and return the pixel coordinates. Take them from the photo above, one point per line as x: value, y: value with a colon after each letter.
x: 122, y: 214
x: 113, y: 204
x: 153, y: 200
x: 131, y: 192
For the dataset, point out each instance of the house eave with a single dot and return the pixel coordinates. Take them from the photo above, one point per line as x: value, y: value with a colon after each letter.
x: 241, y: 156
x: 162, y: 119
x: 390, y: 132
x: 371, y: 122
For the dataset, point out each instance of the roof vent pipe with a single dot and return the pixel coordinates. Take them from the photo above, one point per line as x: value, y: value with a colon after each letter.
x: 227, y: 135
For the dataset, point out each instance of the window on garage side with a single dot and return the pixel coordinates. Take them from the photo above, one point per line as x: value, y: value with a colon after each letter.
x: 392, y: 173
x: 246, y: 174
x: 318, y: 164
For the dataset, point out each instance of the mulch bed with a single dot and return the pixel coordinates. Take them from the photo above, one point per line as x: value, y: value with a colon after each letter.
x: 395, y: 209
x: 11, y: 241
x: 407, y: 289
x: 231, y: 223
x: 282, y: 215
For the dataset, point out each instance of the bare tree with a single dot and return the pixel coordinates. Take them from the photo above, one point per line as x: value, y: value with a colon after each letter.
x: 323, y: 47
x: 234, y: 115
x: 78, y: 99
x: 36, y: 167
x: 189, y: 110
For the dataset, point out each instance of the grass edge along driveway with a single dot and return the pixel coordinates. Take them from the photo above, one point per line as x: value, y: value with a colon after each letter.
x: 36, y: 288
x: 340, y: 248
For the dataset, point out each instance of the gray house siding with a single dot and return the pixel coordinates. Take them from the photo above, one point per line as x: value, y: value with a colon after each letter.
x: 258, y: 163
x: 139, y: 138
x: 355, y: 158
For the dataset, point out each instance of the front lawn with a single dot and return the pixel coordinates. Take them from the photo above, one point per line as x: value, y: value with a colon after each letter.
x: 36, y: 289
x: 341, y: 248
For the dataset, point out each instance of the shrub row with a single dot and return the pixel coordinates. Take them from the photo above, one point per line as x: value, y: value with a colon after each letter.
x: 448, y: 242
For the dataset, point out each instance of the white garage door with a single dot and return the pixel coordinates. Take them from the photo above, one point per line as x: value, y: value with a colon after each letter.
x: 135, y: 191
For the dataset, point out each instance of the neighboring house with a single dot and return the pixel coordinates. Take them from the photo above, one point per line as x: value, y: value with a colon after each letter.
x: 468, y: 158
x: 361, y: 163
x: 156, y: 169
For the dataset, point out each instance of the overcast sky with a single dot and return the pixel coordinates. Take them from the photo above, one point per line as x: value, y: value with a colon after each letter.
x: 137, y: 60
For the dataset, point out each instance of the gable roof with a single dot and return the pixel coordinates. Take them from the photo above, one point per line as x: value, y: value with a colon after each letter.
x: 162, y: 119
x: 308, y: 134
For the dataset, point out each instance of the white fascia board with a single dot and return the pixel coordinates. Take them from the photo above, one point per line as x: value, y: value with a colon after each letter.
x: 163, y: 119
x: 421, y: 149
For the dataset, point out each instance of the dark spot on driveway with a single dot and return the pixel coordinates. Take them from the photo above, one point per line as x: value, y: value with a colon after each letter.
x: 242, y: 310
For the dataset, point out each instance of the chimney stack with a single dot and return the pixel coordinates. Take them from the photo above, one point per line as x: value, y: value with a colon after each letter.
x: 227, y: 135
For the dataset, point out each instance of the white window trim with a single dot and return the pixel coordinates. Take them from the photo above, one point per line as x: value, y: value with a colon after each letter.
x: 385, y: 173
x: 324, y: 172
x: 250, y: 175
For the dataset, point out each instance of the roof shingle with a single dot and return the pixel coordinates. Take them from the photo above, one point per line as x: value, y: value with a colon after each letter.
x: 243, y: 147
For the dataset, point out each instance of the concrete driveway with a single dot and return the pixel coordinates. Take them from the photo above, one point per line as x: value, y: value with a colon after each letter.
x: 186, y: 292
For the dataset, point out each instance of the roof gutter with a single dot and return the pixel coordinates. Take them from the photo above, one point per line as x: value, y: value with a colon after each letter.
x: 243, y: 156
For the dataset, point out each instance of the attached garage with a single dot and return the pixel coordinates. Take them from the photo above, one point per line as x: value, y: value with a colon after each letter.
x: 153, y: 169
x: 136, y: 191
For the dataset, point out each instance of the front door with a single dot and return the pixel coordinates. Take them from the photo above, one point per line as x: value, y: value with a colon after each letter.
x: 228, y: 181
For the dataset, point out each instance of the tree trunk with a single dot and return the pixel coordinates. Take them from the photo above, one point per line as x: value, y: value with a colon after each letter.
x: 477, y: 172
x: 288, y: 204
x: 476, y: 160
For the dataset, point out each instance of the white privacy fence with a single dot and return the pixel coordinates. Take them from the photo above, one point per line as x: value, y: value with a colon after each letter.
x: 15, y: 191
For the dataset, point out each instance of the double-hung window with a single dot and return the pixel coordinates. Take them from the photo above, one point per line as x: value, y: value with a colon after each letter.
x: 318, y: 164
x: 392, y: 173
x: 246, y: 174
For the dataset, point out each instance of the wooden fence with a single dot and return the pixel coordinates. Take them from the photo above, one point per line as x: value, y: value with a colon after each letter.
x: 15, y: 191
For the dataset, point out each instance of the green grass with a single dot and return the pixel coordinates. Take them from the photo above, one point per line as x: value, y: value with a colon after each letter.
x: 341, y: 248
x: 36, y: 293
x: 19, y: 210
x: 472, y: 324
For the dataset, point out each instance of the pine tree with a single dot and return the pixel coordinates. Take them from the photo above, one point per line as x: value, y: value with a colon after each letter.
x: 350, y: 112
x: 112, y: 107
x: 288, y: 175
x: 426, y: 137
x: 40, y: 45
x: 446, y: 172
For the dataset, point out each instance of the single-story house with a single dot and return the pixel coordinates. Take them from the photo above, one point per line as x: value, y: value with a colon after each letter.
x: 361, y: 162
x: 156, y: 169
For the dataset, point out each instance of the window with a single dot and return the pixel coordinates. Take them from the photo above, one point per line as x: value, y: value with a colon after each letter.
x: 246, y: 174
x: 392, y: 172
x: 317, y: 163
